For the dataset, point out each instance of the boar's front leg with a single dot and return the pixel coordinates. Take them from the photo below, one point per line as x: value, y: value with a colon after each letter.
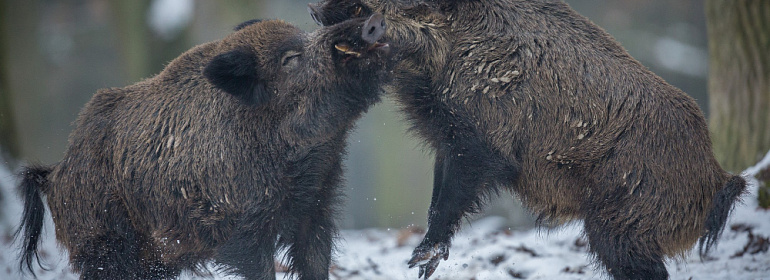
x: 308, y: 227
x: 427, y: 256
x: 249, y: 252
x: 463, y: 175
x: 310, y: 241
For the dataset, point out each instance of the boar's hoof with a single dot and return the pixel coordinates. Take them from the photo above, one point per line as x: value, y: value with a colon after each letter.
x: 428, y: 258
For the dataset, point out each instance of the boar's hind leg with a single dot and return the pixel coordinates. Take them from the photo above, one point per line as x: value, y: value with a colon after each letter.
x: 464, y: 175
x: 116, y: 251
x: 250, y: 251
x: 116, y: 256
x: 106, y: 257
x: 623, y: 252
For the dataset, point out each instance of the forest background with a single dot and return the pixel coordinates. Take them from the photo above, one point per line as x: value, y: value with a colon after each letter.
x: 54, y: 55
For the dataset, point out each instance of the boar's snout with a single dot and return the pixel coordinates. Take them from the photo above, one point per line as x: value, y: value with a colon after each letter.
x: 374, y: 28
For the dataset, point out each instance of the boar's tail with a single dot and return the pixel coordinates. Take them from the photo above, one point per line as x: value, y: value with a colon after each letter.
x: 721, y: 207
x: 33, y: 184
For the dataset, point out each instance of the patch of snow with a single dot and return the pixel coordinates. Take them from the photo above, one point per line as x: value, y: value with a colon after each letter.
x: 762, y: 164
x: 480, y: 250
x: 51, y: 255
x: 483, y: 251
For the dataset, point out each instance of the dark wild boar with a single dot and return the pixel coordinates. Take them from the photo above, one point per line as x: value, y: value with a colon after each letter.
x: 533, y: 98
x: 232, y: 150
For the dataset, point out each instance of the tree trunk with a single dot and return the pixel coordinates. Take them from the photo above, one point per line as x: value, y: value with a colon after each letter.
x: 739, y: 80
x: 133, y: 35
x: 8, y: 144
x: 19, y: 64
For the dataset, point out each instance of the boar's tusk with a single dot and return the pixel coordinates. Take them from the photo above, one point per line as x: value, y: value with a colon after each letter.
x: 346, y: 49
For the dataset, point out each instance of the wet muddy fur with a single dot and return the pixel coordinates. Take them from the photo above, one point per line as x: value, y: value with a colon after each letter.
x: 235, y: 143
x: 531, y: 97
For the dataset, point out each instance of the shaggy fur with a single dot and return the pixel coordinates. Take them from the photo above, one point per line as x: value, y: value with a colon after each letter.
x: 234, y: 149
x: 531, y: 97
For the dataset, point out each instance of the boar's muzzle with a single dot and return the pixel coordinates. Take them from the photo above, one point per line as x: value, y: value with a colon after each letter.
x: 371, y: 32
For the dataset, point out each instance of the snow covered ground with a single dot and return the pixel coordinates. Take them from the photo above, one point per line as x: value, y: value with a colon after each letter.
x: 482, y: 250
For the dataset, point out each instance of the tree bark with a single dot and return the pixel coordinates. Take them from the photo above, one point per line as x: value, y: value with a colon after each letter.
x: 739, y: 80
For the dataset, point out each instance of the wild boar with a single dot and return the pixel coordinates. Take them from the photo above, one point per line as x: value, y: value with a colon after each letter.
x: 231, y: 152
x: 533, y: 98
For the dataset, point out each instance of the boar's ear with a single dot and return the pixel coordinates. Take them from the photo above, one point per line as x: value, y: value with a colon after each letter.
x: 235, y: 72
x: 246, y: 24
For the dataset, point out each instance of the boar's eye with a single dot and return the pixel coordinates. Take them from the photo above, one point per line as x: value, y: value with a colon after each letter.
x: 290, y: 58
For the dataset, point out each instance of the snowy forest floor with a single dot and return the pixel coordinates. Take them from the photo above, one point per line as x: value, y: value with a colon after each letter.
x: 481, y: 250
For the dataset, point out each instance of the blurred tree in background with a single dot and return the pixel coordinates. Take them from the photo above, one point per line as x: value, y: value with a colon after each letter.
x: 12, y: 37
x: 8, y: 144
x: 133, y: 35
x: 739, y: 82
x: 55, y: 54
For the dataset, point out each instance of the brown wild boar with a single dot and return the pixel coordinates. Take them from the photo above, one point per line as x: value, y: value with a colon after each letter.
x: 533, y: 98
x: 233, y: 150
